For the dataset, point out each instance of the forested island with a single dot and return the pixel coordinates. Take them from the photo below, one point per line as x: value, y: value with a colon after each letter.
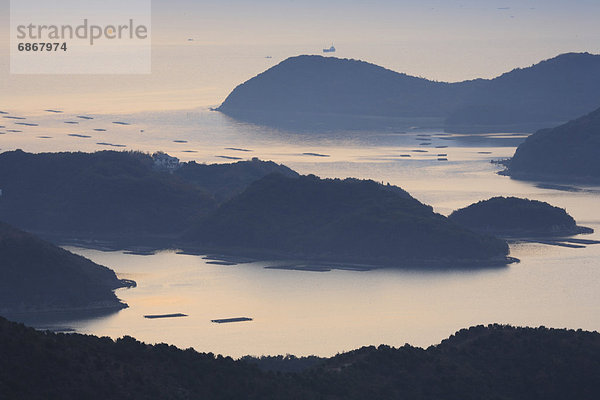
x: 36, y: 276
x: 515, y: 217
x: 315, y: 92
x: 255, y: 208
x: 123, y: 197
x: 565, y: 153
x: 334, y: 220
x: 493, y: 362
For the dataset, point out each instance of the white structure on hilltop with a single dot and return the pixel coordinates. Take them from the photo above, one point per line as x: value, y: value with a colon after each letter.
x: 163, y: 161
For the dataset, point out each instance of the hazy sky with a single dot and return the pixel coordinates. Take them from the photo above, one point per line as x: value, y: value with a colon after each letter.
x: 442, y: 40
x: 382, y: 22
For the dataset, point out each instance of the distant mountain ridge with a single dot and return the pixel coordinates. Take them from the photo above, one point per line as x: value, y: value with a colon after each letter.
x: 311, y: 92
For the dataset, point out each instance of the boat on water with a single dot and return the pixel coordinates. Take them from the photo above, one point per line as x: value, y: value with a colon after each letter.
x: 329, y: 50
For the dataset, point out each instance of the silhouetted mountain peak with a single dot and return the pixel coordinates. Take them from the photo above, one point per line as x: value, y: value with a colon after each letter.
x: 316, y: 92
x: 320, y: 64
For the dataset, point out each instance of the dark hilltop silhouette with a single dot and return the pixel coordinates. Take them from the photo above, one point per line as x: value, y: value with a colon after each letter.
x: 565, y: 153
x: 348, y: 220
x: 224, y: 181
x: 515, y: 217
x: 95, y: 195
x: 315, y: 92
x: 36, y: 276
x: 480, y: 363
x: 130, y: 198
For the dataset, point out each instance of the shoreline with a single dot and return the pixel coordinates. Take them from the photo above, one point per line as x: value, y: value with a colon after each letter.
x: 150, y: 245
x: 234, y: 256
x: 563, y: 182
x: 43, y: 319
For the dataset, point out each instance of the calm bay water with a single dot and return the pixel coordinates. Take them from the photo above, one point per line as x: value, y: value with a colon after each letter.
x: 324, y: 313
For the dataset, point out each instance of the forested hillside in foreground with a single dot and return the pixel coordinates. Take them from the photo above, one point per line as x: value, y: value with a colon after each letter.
x: 493, y: 362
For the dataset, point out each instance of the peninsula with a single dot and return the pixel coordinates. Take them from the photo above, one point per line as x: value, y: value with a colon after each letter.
x: 566, y: 153
x: 36, y: 276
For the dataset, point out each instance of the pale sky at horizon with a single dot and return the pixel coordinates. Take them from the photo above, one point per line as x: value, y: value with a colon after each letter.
x: 440, y: 40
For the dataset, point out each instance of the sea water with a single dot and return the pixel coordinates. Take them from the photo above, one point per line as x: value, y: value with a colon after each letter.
x: 323, y: 313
